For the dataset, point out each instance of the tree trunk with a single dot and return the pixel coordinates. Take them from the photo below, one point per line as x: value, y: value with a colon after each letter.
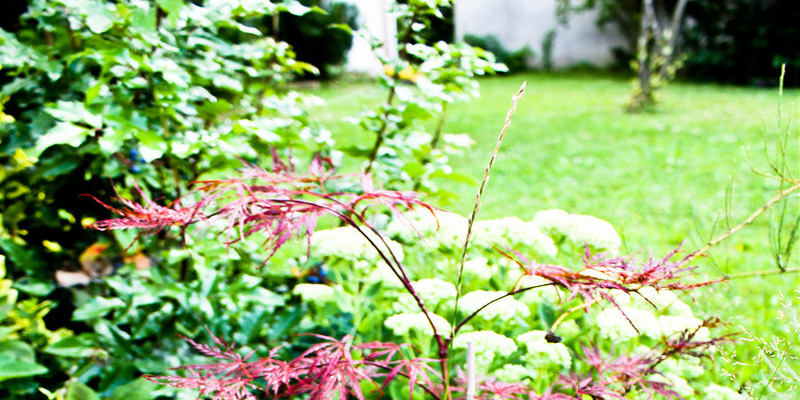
x: 672, y: 41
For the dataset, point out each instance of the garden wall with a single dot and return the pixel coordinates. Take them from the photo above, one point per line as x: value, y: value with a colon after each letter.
x: 374, y: 17
x: 518, y: 23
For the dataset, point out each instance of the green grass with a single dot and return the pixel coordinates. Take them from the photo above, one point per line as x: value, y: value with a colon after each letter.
x: 660, y: 178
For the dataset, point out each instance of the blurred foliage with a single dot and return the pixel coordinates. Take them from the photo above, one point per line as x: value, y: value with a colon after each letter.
x: 410, y: 150
x: 733, y: 41
x: 515, y: 60
x: 146, y: 96
x: 743, y: 41
x: 318, y: 37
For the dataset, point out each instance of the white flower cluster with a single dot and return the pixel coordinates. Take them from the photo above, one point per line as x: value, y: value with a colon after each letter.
x: 615, y: 323
x: 669, y: 317
x: 487, y: 345
x: 578, y: 229
x: 434, y: 290
x: 382, y: 273
x: 314, y: 292
x: 443, y: 229
x: 512, y: 232
x: 717, y: 392
x: 676, y: 383
x: 402, y: 324
x: 542, y: 353
x: 348, y: 243
x: 479, y: 268
x: 512, y: 373
x: 504, y: 309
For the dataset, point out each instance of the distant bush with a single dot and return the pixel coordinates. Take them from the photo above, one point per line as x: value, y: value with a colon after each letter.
x: 314, y: 37
x: 515, y: 60
x: 743, y: 41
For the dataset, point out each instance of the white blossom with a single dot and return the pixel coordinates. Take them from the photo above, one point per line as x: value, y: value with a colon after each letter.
x: 348, y: 243
x: 674, y: 324
x: 540, y: 352
x: 504, y: 309
x: 512, y: 373
x: 512, y: 232
x: 614, y: 325
x: 314, y: 292
x: 717, y: 392
x: 579, y: 229
x: 487, y: 345
x: 434, y: 290
x: 479, y: 268
x: 402, y: 324
x: 440, y: 229
x: 678, y: 384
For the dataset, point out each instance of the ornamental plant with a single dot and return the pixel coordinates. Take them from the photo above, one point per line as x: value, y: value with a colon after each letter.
x: 553, y: 326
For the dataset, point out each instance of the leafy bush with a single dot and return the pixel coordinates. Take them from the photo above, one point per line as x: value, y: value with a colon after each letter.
x: 315, y: 37
x: 515, y: 60
x: 743, y: 41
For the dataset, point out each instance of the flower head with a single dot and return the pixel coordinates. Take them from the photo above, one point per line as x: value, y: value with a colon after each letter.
x: 402, y: 324
x: 505, y: 309
x: 541, y: 353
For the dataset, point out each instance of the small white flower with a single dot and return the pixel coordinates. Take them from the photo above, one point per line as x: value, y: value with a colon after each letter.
x: 487, y: 345
x: 687, y: 368
x: 673, y: 324
x: 678, y: 384
x: 504, y: 309
x: 434, y: 290
x: 440, y: 229
x: 314, y: 292
x: 512, y: 232
x: 512, y: 373
x: 614, y: 325
x: 458, y: 139
x: 579, y: 229
x: 541, y: 352
x: 348, y: 243
x: 479, y: 268
x: 665, y: 301
x: 716, y: 392
x: 402, y: 324
x: 382, y: 273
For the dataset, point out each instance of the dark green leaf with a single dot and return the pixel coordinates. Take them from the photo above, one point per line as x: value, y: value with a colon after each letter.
x: 20, y: 369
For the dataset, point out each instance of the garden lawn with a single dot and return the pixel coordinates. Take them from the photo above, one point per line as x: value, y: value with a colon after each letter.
x: 660, y: 178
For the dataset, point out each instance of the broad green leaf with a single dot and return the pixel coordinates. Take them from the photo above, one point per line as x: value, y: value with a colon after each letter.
x: 79, y: 391
x: 96, y: 308
x: 140, y: 389
x: 74, y: 111
x: 20, y: 369
x: 62, y: 133
x: 100, y: 21
x: 71, y: 346
x: 16, y: 350
x: 171, y: 6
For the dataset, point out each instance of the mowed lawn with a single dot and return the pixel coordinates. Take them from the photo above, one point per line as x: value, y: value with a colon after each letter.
x: 660, y: 178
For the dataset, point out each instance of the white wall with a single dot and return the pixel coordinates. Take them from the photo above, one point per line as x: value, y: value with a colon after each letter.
x: 375, y: 20
x: 517, y: 23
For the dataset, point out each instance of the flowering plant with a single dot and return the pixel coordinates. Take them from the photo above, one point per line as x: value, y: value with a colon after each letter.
x: 525, y: 333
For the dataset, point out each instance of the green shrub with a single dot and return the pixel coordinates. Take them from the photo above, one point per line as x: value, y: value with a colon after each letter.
x: 515, y: 60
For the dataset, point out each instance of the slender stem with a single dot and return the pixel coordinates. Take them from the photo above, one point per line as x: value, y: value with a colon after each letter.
x: 401, y: 373
x: 511, y: 293
x: 567, y: 313
x: 478, y: 197
x: 437, y: 135
x: 381, y: 131
x: 751, y: 274
x: 749, y: 220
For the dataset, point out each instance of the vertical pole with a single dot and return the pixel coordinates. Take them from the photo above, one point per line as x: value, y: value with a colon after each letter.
x: 470, y: 370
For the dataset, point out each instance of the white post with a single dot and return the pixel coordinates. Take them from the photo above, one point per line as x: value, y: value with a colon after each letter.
x: 470, y: 370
